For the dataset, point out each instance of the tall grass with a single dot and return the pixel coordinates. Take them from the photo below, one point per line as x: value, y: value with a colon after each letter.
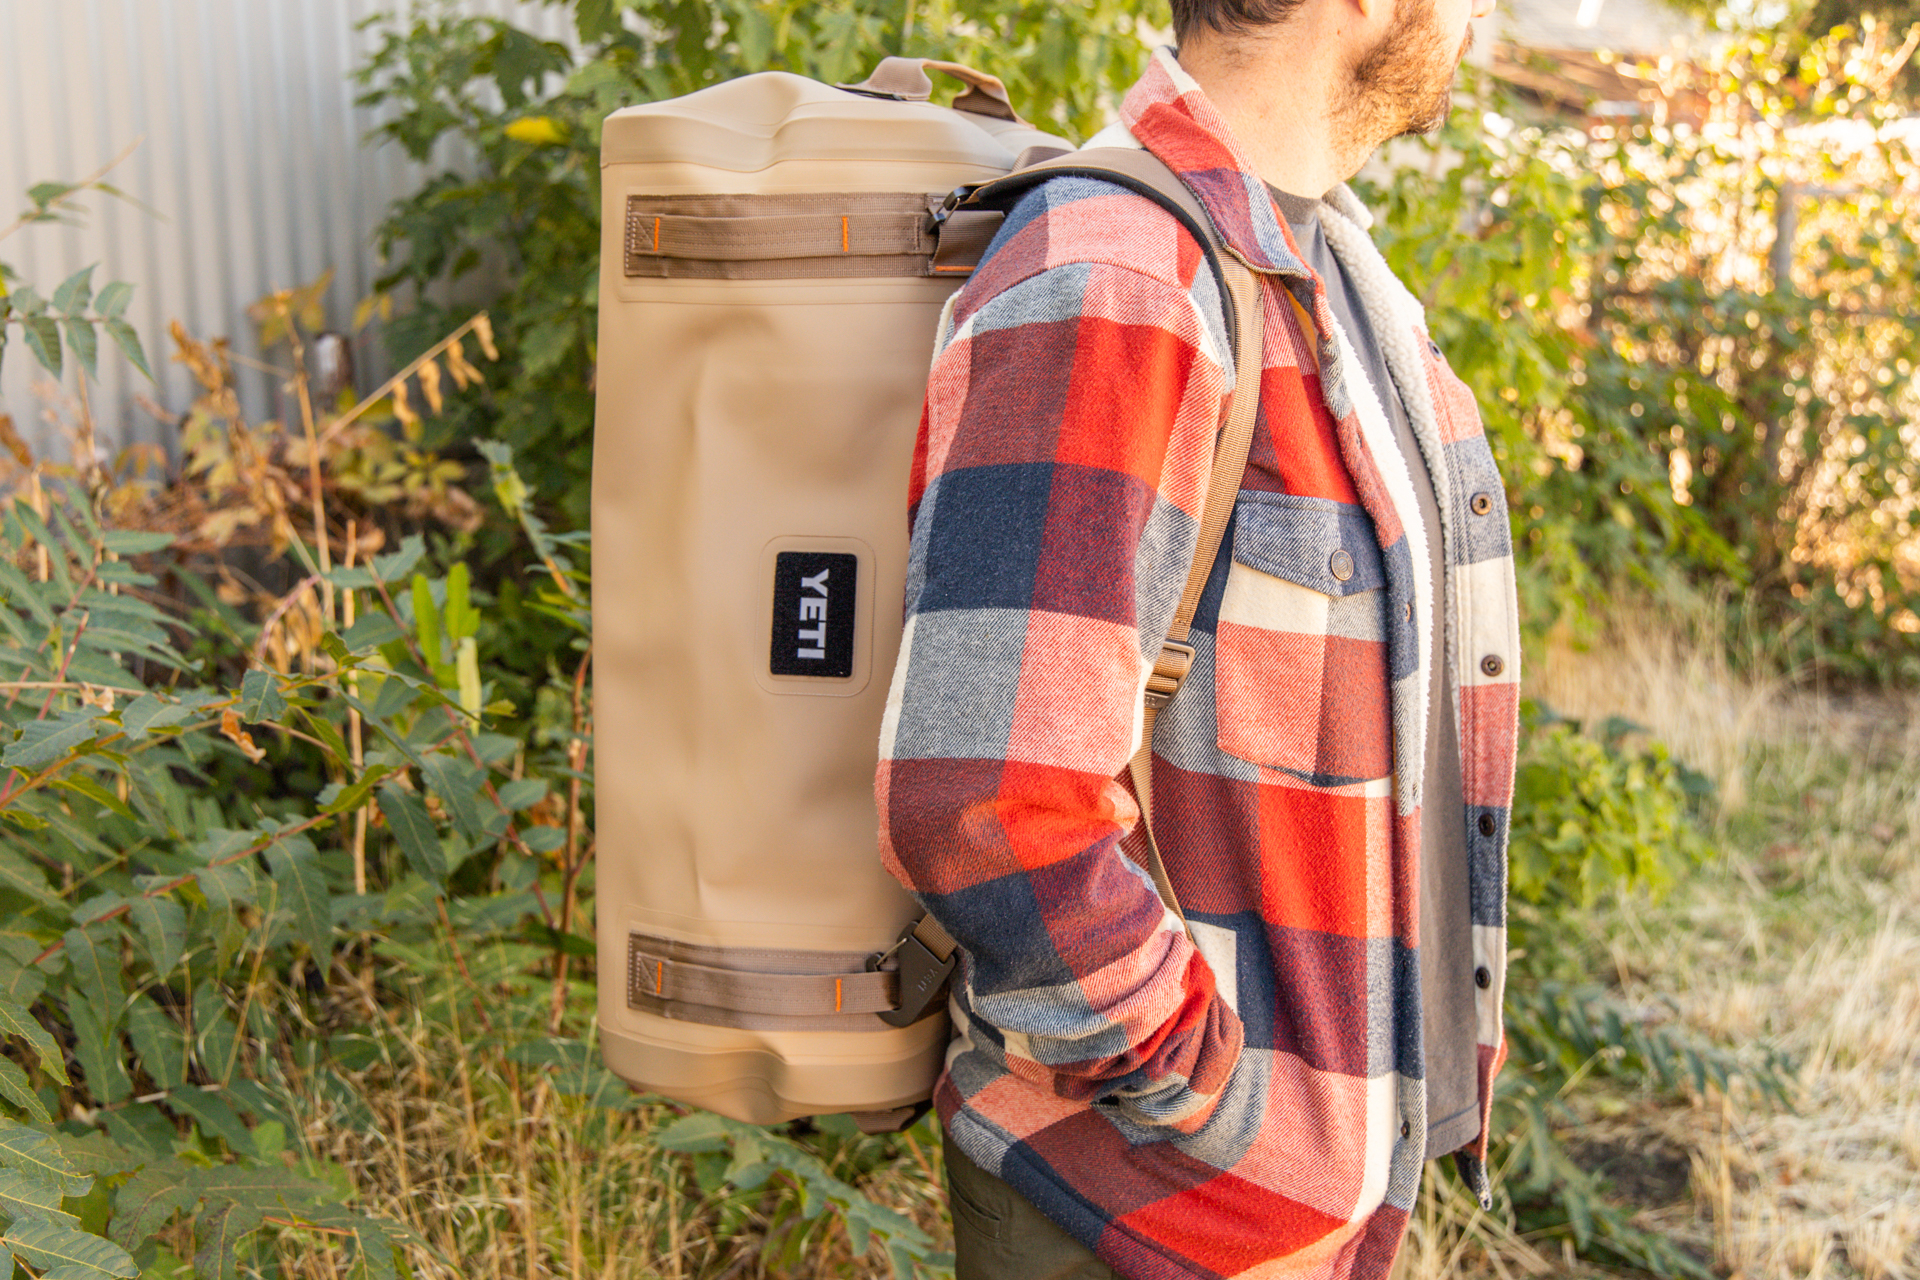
x: 1671, y: 669
x: 1803, y: 936
x: 505, y: 1176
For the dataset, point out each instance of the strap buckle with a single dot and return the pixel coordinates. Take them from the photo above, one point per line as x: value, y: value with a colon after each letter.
x: 951, y: 201
x: 923, y: 976
x: 1169, y: 673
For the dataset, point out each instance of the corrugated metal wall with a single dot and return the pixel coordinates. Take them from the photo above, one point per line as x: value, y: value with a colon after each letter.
x: 252, y: 158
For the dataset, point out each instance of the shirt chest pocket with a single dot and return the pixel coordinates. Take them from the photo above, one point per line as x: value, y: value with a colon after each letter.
x: 1301, y: 663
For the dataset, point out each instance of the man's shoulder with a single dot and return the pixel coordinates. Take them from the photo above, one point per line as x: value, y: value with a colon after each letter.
x: 1080, y: 219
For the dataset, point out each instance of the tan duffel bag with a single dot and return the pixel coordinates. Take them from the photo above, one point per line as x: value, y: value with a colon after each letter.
x: 775, y: 254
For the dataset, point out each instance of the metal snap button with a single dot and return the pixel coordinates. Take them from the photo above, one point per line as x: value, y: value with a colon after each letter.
x: 1341, y: 565
x: 1487, y: 825
x: 1492, y: 665
x: 1481, y: 504
x: 1406, y: 1128
x: 1482, y: 977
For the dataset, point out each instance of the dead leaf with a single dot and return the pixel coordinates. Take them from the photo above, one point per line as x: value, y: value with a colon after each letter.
x: 230, y: 730
x: 430, y: 384
x: 409, y: 420
x: 10, y: 439
x: 483, y: 330
x: 463, y: 372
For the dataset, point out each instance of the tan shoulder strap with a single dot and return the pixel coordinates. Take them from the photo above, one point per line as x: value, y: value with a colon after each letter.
x: 1223, y: 487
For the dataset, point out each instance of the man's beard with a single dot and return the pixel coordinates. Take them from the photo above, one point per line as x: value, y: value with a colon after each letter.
x: 1404, y: 84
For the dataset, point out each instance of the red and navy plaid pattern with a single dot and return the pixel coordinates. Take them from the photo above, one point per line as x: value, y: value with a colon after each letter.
x: 1250, y: 1102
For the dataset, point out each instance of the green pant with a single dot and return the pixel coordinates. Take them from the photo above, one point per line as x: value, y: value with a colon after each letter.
x: 998, y: 1235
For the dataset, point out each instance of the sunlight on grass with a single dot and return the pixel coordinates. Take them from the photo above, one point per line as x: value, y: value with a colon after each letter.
x: 1804, y: 936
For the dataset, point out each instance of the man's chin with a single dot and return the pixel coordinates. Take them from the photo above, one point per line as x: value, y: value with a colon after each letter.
x: 1434, y: 118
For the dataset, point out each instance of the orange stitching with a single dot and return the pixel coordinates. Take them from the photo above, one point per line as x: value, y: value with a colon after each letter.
x: 656, y: 235
x: 836, y: 995
x: 845, y: 238
x: 659, y: 976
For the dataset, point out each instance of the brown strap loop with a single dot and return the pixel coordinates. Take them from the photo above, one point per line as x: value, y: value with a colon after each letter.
x: 906, y: 80
x: 792, y: 995
x: 804, y: 235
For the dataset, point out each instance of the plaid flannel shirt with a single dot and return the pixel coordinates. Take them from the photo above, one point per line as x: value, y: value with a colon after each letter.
x: 1250, y: 1102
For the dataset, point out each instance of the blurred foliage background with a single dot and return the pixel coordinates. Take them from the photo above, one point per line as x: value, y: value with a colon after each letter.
x: 296, y: 825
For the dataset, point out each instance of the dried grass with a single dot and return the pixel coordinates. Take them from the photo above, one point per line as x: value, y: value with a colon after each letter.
x: 1669, y: 672
x: 1804, y: 937
x: 506, y: 1179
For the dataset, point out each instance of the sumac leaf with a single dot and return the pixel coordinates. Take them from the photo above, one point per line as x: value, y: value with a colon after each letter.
x: 128, y: 341
x: 61, y: 1252
x: 41, y: 742
x: 148, y: 1202
x: 160, y: 1041
x: 18, y: 1020
x: 303, y: 893
x: 97, y: 1046
x: 260, y: 698
x: 17, y: 1089
x: 35, y: 1153
x: 163, y: 925
x: 457, y: 782
x: 43, y: 339
x: 407, y: 818
x: 113, y: 299
x: 84, y: 341
x: 95, y: 971
x: 23, y: 1196
x: 75, y: 293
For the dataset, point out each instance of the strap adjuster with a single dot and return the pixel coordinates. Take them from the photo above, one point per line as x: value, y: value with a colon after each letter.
x: 1169, y: 672
x: 923, y: 976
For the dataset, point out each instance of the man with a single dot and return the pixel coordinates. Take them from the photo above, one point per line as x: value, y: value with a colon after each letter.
x: 1256, y: 1093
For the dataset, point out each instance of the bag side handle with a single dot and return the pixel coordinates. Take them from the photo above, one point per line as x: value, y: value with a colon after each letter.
x: 906, y: 80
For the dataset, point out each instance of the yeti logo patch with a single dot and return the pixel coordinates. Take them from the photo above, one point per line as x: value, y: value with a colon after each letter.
x: 813, y: 598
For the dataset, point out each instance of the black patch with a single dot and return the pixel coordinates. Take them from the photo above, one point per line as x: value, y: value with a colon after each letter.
x: 813, y: 615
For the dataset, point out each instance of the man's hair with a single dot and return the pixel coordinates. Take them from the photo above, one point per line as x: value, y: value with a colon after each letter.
x: 1229, y: 17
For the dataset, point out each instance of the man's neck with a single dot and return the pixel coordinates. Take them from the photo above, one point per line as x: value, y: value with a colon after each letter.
x: 1277, y: 94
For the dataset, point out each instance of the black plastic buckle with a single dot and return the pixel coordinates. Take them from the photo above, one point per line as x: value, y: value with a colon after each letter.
x: 923, y: 976
x: 954, y: 199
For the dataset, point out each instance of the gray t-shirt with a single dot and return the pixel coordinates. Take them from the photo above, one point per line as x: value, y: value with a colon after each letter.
x: 1448, y: 1014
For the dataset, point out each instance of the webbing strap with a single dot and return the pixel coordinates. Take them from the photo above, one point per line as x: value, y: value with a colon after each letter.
x: 791, y: 995
x: 935, y: 938
x: 1223, y: 487
x: 748, y: 236
x: 793, y: 235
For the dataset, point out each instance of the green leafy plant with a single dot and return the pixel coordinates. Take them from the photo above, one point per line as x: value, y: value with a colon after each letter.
x: 1692, y: 336
x: 1592, y: 817
x: 748, y: 1157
